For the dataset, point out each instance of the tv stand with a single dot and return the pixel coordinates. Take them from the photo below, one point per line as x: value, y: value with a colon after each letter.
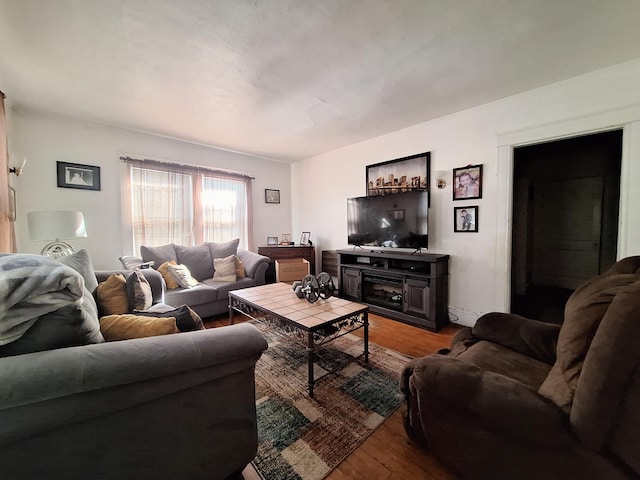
x: 409, y: 287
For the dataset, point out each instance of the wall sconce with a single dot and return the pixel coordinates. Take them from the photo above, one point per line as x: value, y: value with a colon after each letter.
x: 17, y: 171
x: 56, y: 225
x: 441, y: 178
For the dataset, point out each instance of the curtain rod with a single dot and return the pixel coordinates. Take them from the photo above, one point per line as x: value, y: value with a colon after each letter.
x: 186, y: 167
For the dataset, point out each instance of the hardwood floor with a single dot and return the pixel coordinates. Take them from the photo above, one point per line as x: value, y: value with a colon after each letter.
x: 388, y: 454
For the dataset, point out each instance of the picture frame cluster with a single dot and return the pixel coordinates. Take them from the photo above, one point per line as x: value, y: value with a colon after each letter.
x: 467, y: 185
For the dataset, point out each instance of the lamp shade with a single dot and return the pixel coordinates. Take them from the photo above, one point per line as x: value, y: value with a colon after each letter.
x: 55, y: 225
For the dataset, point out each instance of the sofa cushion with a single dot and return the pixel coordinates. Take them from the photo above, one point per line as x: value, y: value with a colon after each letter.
x: 182, y: 275
x: 498, y: 359
x: 225, y: 269
x: 168, y: 278
x: 222, y: 289
x: 583, y: 313
x: 125, y: 327
x: 81, y: 263
x: 138, y: 292
x: 198, y: 295
x: 223, y: 249
x: 158, y: 255
x: 197, y: 259
x: 69, y: 326
x: 112, y: 295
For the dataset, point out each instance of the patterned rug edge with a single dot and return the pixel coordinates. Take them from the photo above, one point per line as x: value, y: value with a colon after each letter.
x: 385, y: 367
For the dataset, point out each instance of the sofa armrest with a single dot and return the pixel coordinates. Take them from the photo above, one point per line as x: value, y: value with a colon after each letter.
x: 255, y: 265
x: 154, y: 278
x: 44, y: 390
x: 523, y: 335
x: 450, y: 387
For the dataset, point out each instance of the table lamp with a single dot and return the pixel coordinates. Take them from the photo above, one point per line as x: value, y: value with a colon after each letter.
x: 56, y: 225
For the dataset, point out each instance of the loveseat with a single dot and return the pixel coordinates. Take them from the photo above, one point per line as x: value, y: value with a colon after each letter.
x: 162, y: 407
x: 518, y: 398
x: 208, y: 295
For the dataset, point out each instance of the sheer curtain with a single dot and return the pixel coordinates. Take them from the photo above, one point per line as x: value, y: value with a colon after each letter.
x: 161, y: 207
x: 224, y: 209
x: 7, y: 235
x: 188, y: 205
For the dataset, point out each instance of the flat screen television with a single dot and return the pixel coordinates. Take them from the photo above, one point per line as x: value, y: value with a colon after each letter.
x: 397, y: 221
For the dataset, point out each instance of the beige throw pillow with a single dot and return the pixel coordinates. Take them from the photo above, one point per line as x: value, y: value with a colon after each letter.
x: 125, y: 327
x: 182, y: 275
x: 169, y: 281
x: 224, y: 269
x: 112, y: 295
x: 240, y: 273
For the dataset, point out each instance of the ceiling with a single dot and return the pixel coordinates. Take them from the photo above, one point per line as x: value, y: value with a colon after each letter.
x: 290, y: 79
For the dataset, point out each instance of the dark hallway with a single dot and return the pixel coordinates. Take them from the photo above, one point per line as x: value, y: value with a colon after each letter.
x: 565, y: 219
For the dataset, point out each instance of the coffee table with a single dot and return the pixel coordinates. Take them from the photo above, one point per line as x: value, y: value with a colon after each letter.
x: 311, y: 324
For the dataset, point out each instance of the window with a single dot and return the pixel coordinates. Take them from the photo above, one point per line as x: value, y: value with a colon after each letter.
x: 187, y: 205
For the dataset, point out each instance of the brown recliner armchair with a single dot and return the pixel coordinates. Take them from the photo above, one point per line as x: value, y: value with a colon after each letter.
x: 518, y: 398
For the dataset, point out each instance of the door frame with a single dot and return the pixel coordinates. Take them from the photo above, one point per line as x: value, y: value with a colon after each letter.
x: 628, y: 120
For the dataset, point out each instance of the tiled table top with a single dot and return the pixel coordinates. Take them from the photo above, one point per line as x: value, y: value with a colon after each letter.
x: 279, y: 298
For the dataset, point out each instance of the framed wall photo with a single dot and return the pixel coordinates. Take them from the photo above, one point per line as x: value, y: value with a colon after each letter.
x: 304, y: 238
x: 407, y: 174
x: 467, y: 182
x: 465, y: 219
x: 271, y: 196
x: 76, y: 175
x: 272, y: 240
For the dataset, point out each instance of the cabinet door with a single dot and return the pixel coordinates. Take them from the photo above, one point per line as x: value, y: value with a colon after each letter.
x: 416, y: 297
x: 350, y: 283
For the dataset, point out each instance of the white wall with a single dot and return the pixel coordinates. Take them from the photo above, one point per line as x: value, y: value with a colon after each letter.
x: 45, y: 138
x: 480, y: 262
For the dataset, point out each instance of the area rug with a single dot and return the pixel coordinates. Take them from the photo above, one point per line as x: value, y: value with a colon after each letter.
x: 306, y: 438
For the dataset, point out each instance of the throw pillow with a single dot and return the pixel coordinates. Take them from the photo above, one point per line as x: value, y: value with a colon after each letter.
x: 224, y: 269
x: 125, y: 327
x: 138, y: 291
x: 197, y: 259
x: 182, y: 275
x: 169, y: 281
x: 224, y: 249
x: 240, y: 273
x: 158, y: 255
x: 187, y: 320
x: 112, y: 295
x: 81, y: 263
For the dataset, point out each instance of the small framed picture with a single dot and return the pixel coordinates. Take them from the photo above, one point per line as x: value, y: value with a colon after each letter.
x: 76, y: 175
x: 467, y: 182
x: 304, y: 239
x: 465, y: 219
x: 271, y: 196
x: 286, y: 239
x: 272, y: 240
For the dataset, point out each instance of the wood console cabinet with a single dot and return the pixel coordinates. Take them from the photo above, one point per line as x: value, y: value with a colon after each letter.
x: 287, y: 252
x: 411, y: 288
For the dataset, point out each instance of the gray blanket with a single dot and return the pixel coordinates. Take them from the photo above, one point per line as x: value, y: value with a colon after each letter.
x: 32, y: 286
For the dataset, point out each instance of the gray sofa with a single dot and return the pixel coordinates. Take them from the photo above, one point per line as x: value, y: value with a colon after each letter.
x: 209, y: 297
x: 173, y: 406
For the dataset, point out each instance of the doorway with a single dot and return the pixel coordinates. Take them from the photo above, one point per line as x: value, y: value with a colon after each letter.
x: 565, y: 219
